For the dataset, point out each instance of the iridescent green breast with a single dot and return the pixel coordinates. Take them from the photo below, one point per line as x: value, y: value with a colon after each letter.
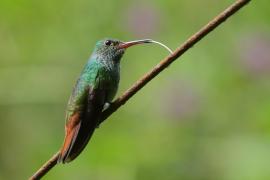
x: 97, y: 76
x: 108, y: 80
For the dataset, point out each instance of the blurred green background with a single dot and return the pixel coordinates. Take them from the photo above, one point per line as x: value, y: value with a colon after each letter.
x: 206, y: 117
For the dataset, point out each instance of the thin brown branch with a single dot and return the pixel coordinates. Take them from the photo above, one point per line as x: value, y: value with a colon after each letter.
x: 177, y: 53
x: 154, y: 72
x: 46, y: 167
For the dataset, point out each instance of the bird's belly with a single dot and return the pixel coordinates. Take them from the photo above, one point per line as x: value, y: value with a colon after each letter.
x: 109, y: 83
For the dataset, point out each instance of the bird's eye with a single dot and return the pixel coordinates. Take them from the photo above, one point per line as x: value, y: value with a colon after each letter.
x: 108, y: 42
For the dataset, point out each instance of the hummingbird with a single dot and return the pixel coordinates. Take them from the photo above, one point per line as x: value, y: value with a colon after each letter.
x: 95, y: 88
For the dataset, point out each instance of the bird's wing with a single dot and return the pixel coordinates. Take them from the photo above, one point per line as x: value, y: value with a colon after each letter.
x: 81, y: 124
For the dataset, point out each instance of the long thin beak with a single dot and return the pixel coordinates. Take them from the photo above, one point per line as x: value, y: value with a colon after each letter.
x: 125, y: 45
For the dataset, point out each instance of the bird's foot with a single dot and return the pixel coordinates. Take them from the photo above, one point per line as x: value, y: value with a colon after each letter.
x: 106, y: 106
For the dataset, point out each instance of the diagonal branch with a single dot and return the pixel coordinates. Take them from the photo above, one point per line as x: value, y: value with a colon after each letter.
x: 154, y: 72
x: 171, y: 58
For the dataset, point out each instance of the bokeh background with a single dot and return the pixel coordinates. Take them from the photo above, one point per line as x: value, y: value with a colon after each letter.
x: 206, y: 117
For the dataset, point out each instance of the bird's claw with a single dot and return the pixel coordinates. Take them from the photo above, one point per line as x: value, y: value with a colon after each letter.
x: 106, y: 106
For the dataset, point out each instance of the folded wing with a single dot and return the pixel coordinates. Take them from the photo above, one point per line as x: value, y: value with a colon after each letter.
x: 81, y: 124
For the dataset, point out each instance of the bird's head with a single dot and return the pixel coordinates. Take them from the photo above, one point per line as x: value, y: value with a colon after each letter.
x: 114, y: 49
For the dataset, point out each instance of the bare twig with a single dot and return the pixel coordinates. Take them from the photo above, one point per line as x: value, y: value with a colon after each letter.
x: 176, y: 54
x: 154, y: 72
x: 46, y: 167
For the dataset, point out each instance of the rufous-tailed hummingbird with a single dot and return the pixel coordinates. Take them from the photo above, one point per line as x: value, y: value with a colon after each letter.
x: 96, y: 86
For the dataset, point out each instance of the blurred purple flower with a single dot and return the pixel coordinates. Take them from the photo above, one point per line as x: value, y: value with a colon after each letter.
x: 142, y: 19
x: 255, y: 53
x: 181, y: 101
